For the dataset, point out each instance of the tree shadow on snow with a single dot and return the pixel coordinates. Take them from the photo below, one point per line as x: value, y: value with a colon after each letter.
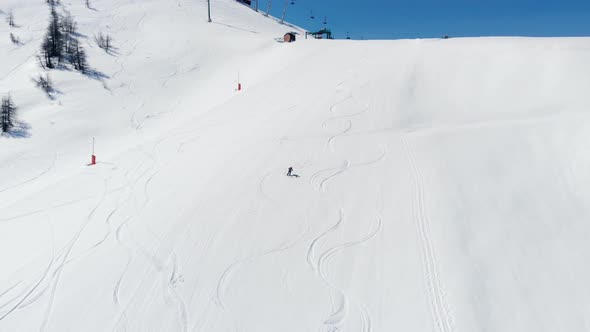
x: 80, y: 35
x: 89, y: 72
x: 61, y: 66
x: 20, y: 130
x: 53, y: 91
x: 96, y: 74
x: 113, y: 51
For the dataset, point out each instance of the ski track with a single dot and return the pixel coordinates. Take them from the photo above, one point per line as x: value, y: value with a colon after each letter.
x: 323, y: 259
x: 439, y: 307
x: 30, y: 292
x: 183, y: 143
x: 311, y: 250
x: 151, y: 257
x: 325, y: 123
x: 340, y: 313
x: 172, y: 283
x: 234, y: 266
x: 169, y: 77
x: 330, y: 142
x: 7, y: 291
x: 65, y: 259
x: 322, y: 185
x: 33, y: 178
x: 16, y: 68
x: 371, y: 162
x: 366, y: 322
x: 53, y: 207
x: 117, y: 289
x: 157, y: 264
x: 316, y: 175
x: 21, y: 303
x: 197, y: 261
x: 340, y: 102
x: 103, y: 239
x: 338, y: 171
x: 344, y: 116
x: 58, y: 271
x: 37, y: 284
x: 134, y: 123
x: 151, y: 116
x: 347, y: 165
x: 146, y: 187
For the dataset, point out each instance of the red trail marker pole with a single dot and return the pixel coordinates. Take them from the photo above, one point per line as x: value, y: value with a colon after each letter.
x: 93, y: 158
x: 239, y: 84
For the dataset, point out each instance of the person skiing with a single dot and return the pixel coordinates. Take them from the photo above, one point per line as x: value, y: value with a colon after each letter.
x: 289, y: 171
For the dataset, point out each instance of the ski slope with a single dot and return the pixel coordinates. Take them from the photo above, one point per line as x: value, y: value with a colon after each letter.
x: 443, y: 184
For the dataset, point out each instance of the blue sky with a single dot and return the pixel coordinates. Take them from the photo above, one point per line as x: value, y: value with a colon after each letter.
x: 380, y: 19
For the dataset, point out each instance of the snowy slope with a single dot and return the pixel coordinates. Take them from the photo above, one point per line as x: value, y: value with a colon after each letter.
x: 443, y: 183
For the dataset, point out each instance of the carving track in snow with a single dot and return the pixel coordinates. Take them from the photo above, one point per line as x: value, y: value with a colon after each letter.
x: 59, y: 270
x: 323, y: 259
x: 33, y: 178
x: 366, y: 322
x: 321, y: 184
x: 311, y: 250
x: 223, y: 279
x: 340, y: 300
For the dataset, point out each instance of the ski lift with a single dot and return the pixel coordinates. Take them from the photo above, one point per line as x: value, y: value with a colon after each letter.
x: 347, y: 35
x: 311, y: 14
x: 325, y: 20
x: 292, y: 2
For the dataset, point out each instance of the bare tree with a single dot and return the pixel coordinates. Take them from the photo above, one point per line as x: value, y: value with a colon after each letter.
x: 44, y: 83
x: 45, y: 56
x: 41, y: 60
x: 79, y: 57
x: 52, y: 3
x: 53, y: 42
x: 61, y: 43
x: 68, y: 24
x: 7, y: 114
x: 69, y: 29
x: 55, y: 36
x: 10, y: 19
x: 104, y: 41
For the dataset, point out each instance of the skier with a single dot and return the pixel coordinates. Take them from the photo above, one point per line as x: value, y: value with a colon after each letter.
x: 289, y: 171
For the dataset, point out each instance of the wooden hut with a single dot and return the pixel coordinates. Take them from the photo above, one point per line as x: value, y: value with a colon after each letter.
x: 289, y: 37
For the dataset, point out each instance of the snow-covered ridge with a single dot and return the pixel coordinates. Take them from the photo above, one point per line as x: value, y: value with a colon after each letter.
x: 442, y: 183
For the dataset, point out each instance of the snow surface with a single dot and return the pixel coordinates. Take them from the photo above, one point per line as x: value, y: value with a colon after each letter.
x: 443, y: 183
